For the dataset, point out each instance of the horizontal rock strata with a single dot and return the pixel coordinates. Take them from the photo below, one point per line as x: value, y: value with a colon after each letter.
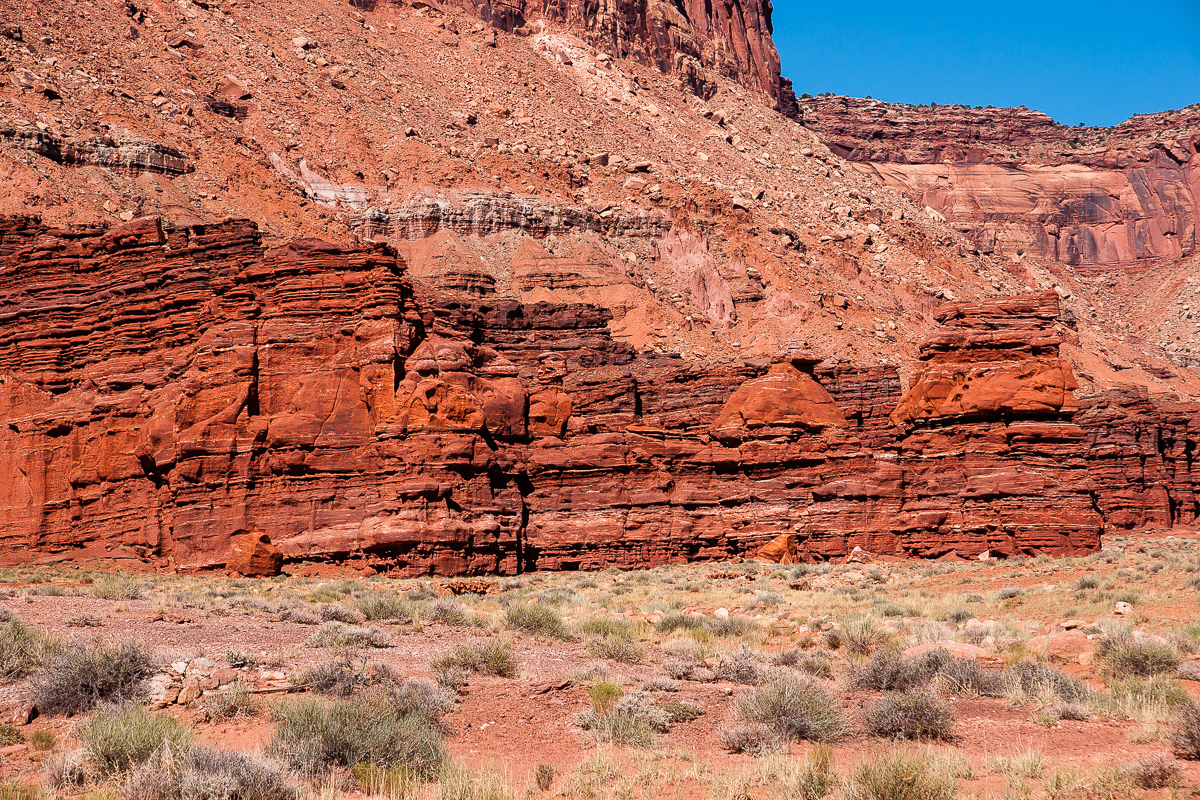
x: 479, y: 214
x: 1013, y: 181
x: 186, y: 395
x: 98, y: 151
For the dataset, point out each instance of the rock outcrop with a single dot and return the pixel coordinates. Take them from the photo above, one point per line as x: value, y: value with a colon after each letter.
x: 134, y: 157
x: 993, y: 452
x: 190, y: 396
x: 478, y: 214
x: 1013, y: 181
x: 688, y: 38
x: 1141, y: 454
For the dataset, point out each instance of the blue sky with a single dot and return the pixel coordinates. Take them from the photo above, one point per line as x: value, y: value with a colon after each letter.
x: 1098, y: 62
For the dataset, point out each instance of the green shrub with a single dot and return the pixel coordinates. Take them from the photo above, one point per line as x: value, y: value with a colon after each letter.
x: 118, y: 738
x: 43, y: 740
x: 603, y: 695
x: 9, y: 734
x: 1119, y: 654
x: 1185, y: 731
x: 84, y: 674
x: 234, y: 701
x: 116, y: 587
x: 1139, y: 695
x: 616, y: 648
x: 796, y: 707
x: 314, y: 735
x: 458, y: 783
x: 392, y: 782
x: 204, y: 773
x: 446, y: 611
x: 422, y: 698
x: 545, y: 776
x: 607, y: 626
x: 490, y: 657
x: 816, y: 779
x: 675, y: 622
x: 451, y: 677
x: 15, y: 790
x: 729, y: 626
x: 558, y: 595
x: 912, y: 715
x: 902, y: 776
x: 421, y: 593
x: 861, y: 637
x: 378, y: 606
x: 632, y: 720
x: 23, y: 649
x: 681, y: 712
x: 818, y: 664
x: 755, y: 739
x: 1039, y: 680
x: 340, y: 635
x: 536, y: 619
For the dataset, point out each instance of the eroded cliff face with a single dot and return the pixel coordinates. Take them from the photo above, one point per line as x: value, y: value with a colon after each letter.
x: 689, y: 38
x: 1013, y: 181
x: 203, y: 401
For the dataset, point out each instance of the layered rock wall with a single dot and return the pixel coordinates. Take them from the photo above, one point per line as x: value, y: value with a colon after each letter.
x: 192, y: 397
x: 133, y: 157
x: 992, y: 450
x: 688, y: 38
x: 1013, y: 181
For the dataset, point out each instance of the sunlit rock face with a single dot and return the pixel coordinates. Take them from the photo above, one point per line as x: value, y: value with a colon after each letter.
x: 1012, y: 181
x: 189, y: 396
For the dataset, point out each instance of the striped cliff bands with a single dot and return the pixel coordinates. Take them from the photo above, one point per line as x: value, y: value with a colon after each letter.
x: 193, y: 398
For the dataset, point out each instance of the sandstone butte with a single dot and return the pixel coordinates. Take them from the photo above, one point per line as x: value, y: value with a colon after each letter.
x: 199, y: 399
x: 474, y: 286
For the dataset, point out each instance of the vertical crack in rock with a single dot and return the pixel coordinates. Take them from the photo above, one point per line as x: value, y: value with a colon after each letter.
x: 194, y: 397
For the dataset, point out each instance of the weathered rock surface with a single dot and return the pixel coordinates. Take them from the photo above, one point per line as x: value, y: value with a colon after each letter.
x: 1013, y: 181
x: 479, y: 214
x: 1141, y: 457
x: 690, y: 39
x: 995, y: 359
x: 99, y: 151
x: 194, y: 397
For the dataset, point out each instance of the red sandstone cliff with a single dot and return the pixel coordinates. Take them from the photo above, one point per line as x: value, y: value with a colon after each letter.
x: 689, y: 38
x: 1013, y: 181
x: 513, y: 297
x: 556, y: 164
x: 192, y: 395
